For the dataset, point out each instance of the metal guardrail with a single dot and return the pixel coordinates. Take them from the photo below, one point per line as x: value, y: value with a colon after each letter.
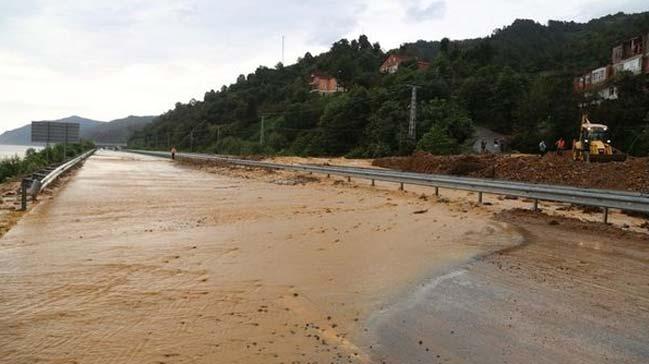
x: 41, y: 179
x: 632, y: 201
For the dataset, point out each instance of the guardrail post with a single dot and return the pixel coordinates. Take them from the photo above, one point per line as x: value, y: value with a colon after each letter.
x: 328, y: 175
x: 349, y: 178
x: 23, y: 195
x: 480, y: 198
x: 536, y: 205
x: 401, y: 186
x: 437, y: 191
x: 372, y: 182
x: 605, y: 215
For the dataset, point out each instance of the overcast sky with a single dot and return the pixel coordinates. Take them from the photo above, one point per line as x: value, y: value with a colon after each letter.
x: 108, y: 59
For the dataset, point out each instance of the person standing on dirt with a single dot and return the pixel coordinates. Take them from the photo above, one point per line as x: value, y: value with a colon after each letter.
x: 173, y: 152
x: 542, y: 148
x: 561, y: 145
x: 483, y: 146
x: 496, y: 146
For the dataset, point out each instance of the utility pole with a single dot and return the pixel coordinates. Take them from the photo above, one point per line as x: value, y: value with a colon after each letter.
x: 412, y: 127
x: 261, y: 131
x: 65, y: 144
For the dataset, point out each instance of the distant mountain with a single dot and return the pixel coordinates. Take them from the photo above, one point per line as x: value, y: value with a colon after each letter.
x: 22, y: 135
x: 116, y: 131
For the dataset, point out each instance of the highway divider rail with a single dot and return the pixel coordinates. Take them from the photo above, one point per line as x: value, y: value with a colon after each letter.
x: 33, y: 185
x: 623, y: 200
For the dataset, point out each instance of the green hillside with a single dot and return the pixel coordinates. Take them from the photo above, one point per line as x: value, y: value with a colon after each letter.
x: 517, y: 81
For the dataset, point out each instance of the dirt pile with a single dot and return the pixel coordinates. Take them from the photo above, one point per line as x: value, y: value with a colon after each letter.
x: 631, y: 175
x: 457, y: 165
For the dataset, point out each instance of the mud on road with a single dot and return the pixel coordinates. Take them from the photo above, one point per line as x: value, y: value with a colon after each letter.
x: 139, y: 260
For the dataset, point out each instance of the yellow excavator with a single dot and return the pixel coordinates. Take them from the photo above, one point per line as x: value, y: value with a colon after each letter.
x: 594, y: 144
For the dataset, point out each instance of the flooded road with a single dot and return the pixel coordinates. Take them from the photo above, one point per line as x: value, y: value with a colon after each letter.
x: 142, y: 260
x: 139, y: 260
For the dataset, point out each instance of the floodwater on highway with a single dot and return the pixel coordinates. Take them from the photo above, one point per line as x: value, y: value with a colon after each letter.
x: 140, y: 260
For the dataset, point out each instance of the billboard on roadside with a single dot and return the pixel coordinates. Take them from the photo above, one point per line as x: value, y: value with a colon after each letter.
x: 55, y: 132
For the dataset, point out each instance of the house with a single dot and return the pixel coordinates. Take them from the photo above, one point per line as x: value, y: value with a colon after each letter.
x: 392, y: 63
x: 324, y: 84
x: 631, y: 55
x: 608, y: 93
x: 594, y: 78
x: 423, y: 65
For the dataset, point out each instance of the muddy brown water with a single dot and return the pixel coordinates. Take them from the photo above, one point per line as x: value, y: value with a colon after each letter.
x: 140, y: 260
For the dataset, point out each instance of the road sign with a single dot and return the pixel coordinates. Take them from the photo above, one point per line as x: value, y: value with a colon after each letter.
x: 55, y: 132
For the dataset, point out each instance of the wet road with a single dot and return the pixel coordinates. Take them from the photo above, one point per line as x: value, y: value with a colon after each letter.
x: 139, y: 260
x: 567, y: 295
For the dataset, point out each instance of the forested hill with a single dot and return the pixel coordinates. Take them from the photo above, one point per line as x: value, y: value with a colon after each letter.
x: 517, y: 81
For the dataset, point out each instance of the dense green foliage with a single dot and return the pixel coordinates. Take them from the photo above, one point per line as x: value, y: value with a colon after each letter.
x: 35, y: 160
x: 518, y: 81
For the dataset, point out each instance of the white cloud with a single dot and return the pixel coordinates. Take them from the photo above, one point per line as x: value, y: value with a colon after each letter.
x: 432, y: 10
x: 105, y: 59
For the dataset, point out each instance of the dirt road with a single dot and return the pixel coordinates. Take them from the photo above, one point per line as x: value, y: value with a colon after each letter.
x: 139, y: 260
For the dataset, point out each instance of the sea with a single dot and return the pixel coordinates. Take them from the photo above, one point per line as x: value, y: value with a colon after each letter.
x: 8, y: 150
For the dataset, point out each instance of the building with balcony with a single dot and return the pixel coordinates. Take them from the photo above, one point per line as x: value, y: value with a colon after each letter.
x: 632, y: 56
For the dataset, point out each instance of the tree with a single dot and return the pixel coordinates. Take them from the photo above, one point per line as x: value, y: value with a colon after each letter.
x: 444, y: 45
x: 437, y: 141
x: 343, y: 122
x: 449, y: 116
x: 384, y: 130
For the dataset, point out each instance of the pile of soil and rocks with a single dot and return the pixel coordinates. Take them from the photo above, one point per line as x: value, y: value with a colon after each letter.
x: 631, y: 175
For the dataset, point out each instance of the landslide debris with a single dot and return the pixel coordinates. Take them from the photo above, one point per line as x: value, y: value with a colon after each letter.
x: 630, y: 175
